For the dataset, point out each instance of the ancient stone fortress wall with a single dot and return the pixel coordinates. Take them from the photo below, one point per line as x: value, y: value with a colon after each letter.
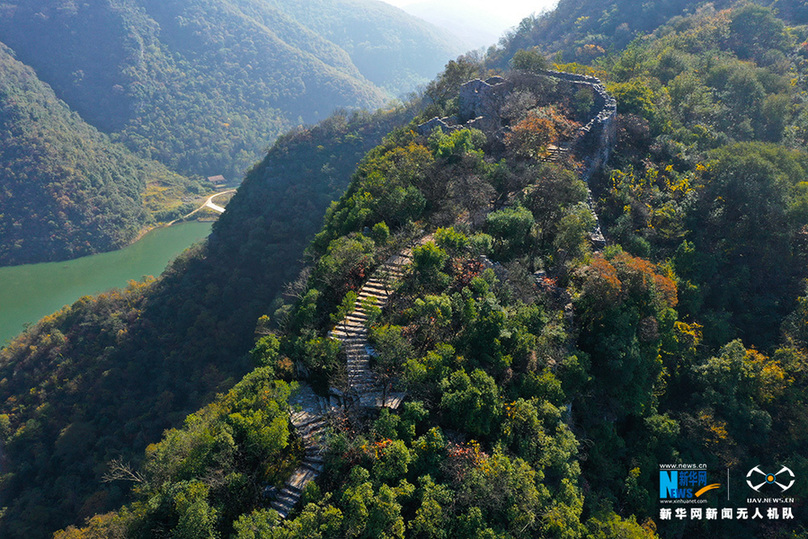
x: 596, y: 139
x: 481, y: 104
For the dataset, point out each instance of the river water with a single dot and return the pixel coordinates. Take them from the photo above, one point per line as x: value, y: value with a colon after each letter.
x: 27, y: 293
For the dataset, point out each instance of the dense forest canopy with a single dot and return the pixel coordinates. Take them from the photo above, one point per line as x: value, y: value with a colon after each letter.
x: 547, y: 377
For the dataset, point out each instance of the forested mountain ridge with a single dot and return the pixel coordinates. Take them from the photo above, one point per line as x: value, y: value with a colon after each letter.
x: 582, y: 31
x: 204, y: 86
x: 66, y: 190
x: 575, y: 405
x: 151, y: 354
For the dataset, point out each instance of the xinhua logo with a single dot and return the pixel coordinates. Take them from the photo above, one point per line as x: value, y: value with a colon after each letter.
x: 784, y: 479
x: 683, y: 484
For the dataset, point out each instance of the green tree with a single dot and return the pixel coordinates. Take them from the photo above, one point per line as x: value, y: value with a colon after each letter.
x: 471, y: 402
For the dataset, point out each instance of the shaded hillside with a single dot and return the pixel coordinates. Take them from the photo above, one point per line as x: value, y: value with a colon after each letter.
x: 204, y: 86
x: 65, y: 189
x: 151, y: 354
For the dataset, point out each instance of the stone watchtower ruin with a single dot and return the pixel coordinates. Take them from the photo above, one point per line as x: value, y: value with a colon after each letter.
x: 482, y: 102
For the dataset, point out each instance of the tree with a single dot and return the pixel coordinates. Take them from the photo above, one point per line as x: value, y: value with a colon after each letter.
x: 428, y: 262
x: 392, y: 352
x: 529, y: 60
x: 744, y: 228
x: 471, y: 402
x: 512, y: 228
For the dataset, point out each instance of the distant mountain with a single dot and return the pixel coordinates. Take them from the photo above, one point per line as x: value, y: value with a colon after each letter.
x: 66, y: 190
x: 394, y: 50
x: 479, y: 24
x: 205, y: 85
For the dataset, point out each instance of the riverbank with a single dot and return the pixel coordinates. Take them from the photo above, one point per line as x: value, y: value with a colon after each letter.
x: 182, y: 219
x: 32, y: 291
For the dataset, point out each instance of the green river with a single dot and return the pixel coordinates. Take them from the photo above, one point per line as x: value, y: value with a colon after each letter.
x: 27, y: 293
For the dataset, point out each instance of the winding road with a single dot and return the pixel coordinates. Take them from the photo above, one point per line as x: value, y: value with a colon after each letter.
x: 208, y: 204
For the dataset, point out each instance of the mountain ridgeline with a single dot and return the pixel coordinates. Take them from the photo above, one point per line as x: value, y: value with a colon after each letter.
x: 545, y: 377
x: 201, y: 87
x: 204, y: 86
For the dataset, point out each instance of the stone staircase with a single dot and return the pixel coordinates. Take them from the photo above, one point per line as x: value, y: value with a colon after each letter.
x: 309, y: 416
x: 555, y: 154
x: 353, y: 334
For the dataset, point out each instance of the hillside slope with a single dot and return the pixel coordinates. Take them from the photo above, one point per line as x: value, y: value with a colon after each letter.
x: 582, y: 31
x: 65, y: 189
x: 153, y: 353
x: 204, y: 86
x: 550, y: 379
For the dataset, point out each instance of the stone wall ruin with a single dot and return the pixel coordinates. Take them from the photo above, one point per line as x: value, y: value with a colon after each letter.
x: 482, y: 103
x: 481, y: 106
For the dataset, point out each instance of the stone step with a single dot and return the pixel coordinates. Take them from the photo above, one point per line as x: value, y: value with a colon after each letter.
x: 313, y: 466
x: 301, y: 477
x: 317, y: 423
x: 282, y: 511
x: 305, y: 424
x: 376, y: 286
x: 359, y: 364
x: 374, y: 295
x: 354, y: 327
x: 347, y: 333
x: 379, y: 300
x: 313, y: 459
x: 287, y: 498
x: 283, y: 507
